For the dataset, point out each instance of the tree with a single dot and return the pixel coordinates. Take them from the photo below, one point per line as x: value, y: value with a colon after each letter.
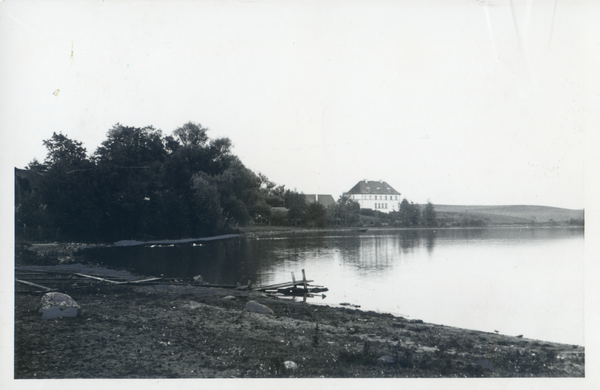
x: 346, y: 212
x: 140, y: 184
x: 67, y: 188
x: 129, y: 164
x: 404, y: 214
x: 238, y: 192
x: 415, y: 215
x: 63, y: 152
x: 191, y: 134
x: 316, y: 215
x: 409, y: 214
x: 296, y: 205
x: 131, y: 147
x: 429, y: 215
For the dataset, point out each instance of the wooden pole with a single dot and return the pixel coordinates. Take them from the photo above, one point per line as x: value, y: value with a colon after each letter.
x: 304, y: 280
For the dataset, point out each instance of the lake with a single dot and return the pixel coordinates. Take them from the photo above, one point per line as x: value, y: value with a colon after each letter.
x: 527, y: 281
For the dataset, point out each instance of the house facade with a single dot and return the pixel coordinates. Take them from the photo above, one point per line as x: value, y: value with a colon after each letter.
x: 375, y: 195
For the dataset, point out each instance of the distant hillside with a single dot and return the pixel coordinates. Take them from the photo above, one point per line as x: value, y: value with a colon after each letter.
x: 501, y: 215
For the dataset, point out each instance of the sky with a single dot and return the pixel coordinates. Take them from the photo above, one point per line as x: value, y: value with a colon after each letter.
x: 453, y: 102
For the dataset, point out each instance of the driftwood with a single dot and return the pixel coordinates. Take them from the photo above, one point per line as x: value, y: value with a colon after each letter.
x: 35, y: 285
x: 98, y: 278
x: 116, y: 282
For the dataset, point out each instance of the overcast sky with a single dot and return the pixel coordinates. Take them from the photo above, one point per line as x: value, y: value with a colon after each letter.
x: 457, y: 102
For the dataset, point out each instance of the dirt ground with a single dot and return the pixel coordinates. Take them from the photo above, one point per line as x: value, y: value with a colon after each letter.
x: 185, y: 331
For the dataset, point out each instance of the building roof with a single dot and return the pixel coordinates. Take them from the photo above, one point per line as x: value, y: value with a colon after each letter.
x: 372, y: 187
x: 325, y: 200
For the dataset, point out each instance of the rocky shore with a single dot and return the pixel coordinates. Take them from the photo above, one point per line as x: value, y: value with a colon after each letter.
x: 194, y: 332
x: 187, y: 331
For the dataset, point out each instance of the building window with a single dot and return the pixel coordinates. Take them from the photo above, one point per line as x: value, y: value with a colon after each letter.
x: 386, y: 197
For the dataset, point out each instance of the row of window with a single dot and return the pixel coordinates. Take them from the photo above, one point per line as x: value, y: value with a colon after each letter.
x: 381, y: 197
x: 381, y: 205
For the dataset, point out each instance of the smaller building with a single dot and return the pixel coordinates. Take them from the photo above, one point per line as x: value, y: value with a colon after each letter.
x: 325, y: 200
x: 375, y: 195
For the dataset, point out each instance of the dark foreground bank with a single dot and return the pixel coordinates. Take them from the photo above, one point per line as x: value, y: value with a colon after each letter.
x: 122, y: 331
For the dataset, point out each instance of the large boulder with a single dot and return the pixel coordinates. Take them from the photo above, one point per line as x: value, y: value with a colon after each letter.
x: 258, y: 308
x: 55, y: 304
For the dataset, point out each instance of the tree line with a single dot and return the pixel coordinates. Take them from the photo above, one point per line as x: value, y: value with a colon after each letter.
x: 347, y: 213
x: 142, y: 184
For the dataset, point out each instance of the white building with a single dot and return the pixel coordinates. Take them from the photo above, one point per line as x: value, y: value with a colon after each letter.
x: 375, y: 195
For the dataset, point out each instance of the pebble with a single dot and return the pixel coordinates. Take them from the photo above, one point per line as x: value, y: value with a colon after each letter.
x: 387, y: 359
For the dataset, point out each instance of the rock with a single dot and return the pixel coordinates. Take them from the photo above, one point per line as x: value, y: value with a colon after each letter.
x: 258, y: 308
x: 55, y: 304
x: 57, y: 299
x: 385, y: 359
x: 198, y: 279
x: 290, y: 365
x: 485, y: 364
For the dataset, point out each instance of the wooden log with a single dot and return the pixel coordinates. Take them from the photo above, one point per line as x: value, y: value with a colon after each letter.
x: 34, y: 285
x: 117, y: 282
x: 98, y: 278
x: 279, y: 285
x: 218, y: 286
x: 142, y: 281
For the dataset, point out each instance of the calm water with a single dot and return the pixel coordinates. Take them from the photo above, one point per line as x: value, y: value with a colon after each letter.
x: 516, y: 281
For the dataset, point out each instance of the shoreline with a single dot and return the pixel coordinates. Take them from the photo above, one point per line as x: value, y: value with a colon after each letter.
x: 185, y: 331
x: 208, y: 333
x: 267, y: 231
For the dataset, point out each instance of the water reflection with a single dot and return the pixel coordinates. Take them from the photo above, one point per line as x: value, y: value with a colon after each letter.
x: 237, y: 260
x: 472, y: 278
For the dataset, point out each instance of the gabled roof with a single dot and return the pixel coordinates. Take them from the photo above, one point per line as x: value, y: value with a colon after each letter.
x: 325, y: 200
x: 373, y: 187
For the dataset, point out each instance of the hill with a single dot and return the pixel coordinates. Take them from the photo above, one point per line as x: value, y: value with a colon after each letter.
x: 502, y: 215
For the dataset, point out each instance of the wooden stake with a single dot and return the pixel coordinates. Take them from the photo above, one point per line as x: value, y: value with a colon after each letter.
x: 304, y: 280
